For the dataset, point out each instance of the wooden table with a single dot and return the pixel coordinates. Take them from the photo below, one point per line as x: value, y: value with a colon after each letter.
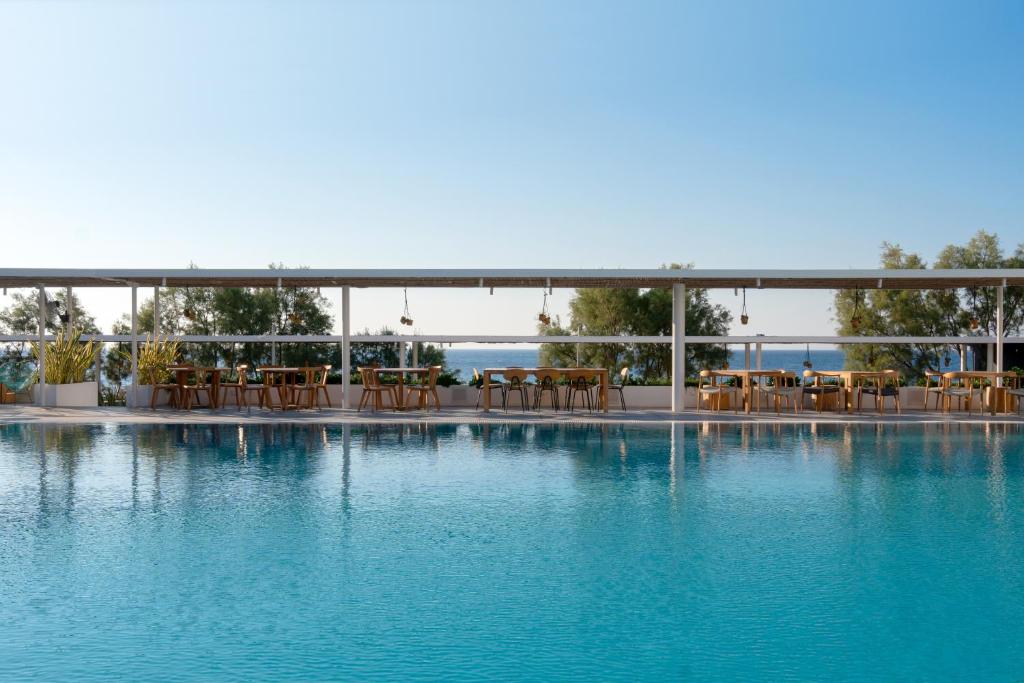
x: 746, y: 378
x: 600, y: 373
x: 849, y: 379
x: 994, y: 396
x: 181, y: 373
x: 400, y: 373
x: 285, y: 386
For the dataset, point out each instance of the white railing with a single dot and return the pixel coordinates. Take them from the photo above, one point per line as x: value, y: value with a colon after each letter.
x: 522, y: 339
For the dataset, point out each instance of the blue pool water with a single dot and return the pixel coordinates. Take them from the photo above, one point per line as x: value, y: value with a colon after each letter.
x: 511, y: 552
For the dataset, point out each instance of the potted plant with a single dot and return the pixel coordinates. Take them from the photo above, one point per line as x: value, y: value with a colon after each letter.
x: 156, y: 354
x: 67, y: 360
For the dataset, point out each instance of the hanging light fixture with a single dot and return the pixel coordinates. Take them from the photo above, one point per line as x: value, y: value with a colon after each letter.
x: 744, y: 318
x: 975, y: 323
x: 544, y: 317
x: 406, y: 319
x: 807, y: 358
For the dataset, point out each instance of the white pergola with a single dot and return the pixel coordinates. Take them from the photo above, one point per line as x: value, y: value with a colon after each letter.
x: 676, y: 280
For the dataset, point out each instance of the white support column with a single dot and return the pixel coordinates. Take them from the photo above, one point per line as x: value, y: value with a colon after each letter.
x: 999, y: 332
x: 415, y: 354
x: 346, y: 346
x: 678, y: 348
x: 135, y: 347
x: 757, y: 356
x: 70, y: 309
x: 156, y: 312
x: 746, y: 356
x: 98, y: 369
x: 401, y: 354
x: 963, y: 357
x: 41, y: 399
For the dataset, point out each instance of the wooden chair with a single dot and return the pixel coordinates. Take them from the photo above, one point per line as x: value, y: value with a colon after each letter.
x: 618, y: 386
x: 314, y: 384
x: 547, y: 382
x: 779, y: 387
x: 478, y: 380
x: 170, y: 387
x: 816, y: 386
x: 882, y: 386
x: 373, y: 387
x: 581, y: 383
x: 1016, y: 390
x: 238, y: 387
x: 711, y: 389
x: 201, y: 386
x: 515, y: 382
x: 933, y: 387
x: 962, y: 388
x: 426, y: 391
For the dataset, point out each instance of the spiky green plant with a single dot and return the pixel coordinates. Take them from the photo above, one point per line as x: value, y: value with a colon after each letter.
x: 155, y: 356
x: 67, y: 358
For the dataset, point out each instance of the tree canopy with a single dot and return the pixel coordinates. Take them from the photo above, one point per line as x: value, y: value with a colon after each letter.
x: 934, y: 313
x: 636, y: 312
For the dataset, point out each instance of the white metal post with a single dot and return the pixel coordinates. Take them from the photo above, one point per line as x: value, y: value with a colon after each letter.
x: 346, y: 346
x: 98, y: 370
x: 156, y: 312
x: 42, y: 346
x: 963, y: 357
x: 678, y: 347
x: 135, y: 347
x: 70, y: 309
x: 401, y: 354
x: 999, y: 333
x: 746, y: 356
x: 415, y: 354
x: 757, y: 356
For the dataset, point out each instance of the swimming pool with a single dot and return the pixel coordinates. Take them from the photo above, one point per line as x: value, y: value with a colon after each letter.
x: 512, y: 552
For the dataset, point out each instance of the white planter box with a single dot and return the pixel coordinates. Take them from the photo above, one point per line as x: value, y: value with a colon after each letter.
x: 80, y: 395
x: 145, y: 392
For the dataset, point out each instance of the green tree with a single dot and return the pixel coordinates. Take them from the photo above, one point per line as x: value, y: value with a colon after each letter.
x: 636, y: 312
x: 942, y: 312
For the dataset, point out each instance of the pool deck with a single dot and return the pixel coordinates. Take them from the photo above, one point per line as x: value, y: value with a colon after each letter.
x: 25, y: 414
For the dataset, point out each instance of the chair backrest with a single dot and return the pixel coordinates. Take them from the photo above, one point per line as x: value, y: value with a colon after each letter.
x: 435, y: 370
x: 270, y: 378
x: 476, y: 376
x: 547, y: 377
x: 369, y: 377
x: 514, y: 376
x: 322, y: 376
x: 623, y: 376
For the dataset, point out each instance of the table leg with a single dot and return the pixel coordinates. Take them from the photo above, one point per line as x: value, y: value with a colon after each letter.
x: 604, y: 391
x: 487, y: 391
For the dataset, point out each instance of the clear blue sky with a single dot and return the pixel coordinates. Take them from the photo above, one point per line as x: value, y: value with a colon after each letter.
x: 506, y: 134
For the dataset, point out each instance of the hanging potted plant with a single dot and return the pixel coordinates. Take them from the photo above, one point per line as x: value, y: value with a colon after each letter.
x: 544, y: 317
x: 66, y: 362
x: 855, y: 319
x: 406, y: 319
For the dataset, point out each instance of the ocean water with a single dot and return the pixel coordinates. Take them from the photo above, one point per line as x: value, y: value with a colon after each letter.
x: 457, y: 552
x: 464, y: 360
